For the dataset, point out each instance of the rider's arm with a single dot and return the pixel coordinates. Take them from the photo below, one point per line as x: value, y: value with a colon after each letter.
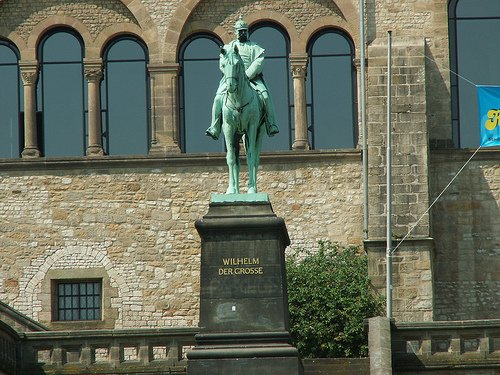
x: 256, y: 66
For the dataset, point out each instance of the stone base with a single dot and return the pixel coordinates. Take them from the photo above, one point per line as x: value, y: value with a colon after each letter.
x: 246, y: 366
x: 30, y: 153
x: 95, y: 151
x: 164, y: 149
x: 254, y: 353
x: 243, y: 298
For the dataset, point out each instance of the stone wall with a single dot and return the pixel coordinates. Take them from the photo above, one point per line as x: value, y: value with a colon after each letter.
x: 427, y: 20
x: 466, y: 228
x: 136, y: 221
x: 109, y: 214
x: 412, y: 294
x: 22, y: 16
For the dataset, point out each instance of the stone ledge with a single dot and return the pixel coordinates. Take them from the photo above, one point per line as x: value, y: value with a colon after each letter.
x: 174, y: 160
x: 454, y: 154
x: 448, y: 325
x: 379, y: 244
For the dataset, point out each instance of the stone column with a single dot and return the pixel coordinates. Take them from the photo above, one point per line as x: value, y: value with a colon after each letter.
x: 379, y: 345
x: 29, y: 73
x: 94, y: 74
x: 164, y: 108
x: 298, y: 63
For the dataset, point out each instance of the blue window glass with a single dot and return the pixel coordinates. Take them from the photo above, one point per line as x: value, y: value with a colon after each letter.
x: 278, y: 80
x: 125, y: 98
x: 474, y: 28
x: 10, y: 102
x: 199, y: 80
x: 61, y: 94
x: 331, y: 93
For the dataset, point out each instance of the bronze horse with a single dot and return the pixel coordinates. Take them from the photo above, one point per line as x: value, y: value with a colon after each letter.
x: 242, y: 118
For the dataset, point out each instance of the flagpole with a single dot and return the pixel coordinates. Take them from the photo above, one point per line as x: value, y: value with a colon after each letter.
x: 388, y: 254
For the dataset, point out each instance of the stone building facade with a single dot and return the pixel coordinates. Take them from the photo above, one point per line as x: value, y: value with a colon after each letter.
x: 129, y: 220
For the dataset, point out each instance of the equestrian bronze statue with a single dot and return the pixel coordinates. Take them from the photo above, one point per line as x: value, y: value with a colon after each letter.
x: 242, y: 107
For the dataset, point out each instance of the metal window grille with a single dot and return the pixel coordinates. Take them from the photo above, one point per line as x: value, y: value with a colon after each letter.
x: 79, y: 300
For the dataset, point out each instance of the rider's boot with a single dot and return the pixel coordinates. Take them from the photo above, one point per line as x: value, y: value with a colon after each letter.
x: 271, y: 127
x: 215, y: 129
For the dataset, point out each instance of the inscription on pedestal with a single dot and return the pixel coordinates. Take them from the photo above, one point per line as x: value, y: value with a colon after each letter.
x: 242, y: 286
x: 240, y: 266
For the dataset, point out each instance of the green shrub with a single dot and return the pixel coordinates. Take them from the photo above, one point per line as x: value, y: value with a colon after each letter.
x: 330, y: 296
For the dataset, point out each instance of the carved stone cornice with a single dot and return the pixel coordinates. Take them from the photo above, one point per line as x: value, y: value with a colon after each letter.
x: 29, y: 72
x: 93, y: 69
x: 298, y: 65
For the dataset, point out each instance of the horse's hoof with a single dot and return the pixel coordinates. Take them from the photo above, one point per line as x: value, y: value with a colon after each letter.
x: 231, y: 191
x: 252, y: 190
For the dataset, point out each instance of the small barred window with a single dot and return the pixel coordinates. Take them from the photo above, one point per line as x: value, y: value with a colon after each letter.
x: 78, y: 300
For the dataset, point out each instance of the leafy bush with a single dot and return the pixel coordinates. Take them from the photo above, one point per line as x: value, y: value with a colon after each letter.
x: 330, y: 296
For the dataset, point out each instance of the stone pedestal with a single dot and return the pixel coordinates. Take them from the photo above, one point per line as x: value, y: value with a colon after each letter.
x: 243, y: 296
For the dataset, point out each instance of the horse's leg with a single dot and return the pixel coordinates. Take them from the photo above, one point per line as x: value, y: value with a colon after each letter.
x: 236, y: 143
x: 258, y: 143
x: 232, y: 187
x: 252, y: 158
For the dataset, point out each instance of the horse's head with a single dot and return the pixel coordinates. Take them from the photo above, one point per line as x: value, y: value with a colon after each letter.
x: 232, y: 67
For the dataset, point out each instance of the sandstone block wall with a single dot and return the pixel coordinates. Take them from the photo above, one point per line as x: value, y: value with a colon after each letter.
x: 137, y: 223
x: 466, y: 228
x: 134, y: 219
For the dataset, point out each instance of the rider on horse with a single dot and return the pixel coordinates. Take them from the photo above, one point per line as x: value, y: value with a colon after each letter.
x: 253, y: 59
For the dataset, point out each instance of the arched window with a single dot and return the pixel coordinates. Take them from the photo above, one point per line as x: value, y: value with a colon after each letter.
x: 62, y: 94
x: 474, y: 28
x: 331, y: 93
x: 277, y: 75
x: 10, y: 102
x: 200, y: 77
x: 125, y: 98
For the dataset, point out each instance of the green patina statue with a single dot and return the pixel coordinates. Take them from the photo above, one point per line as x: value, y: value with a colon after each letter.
x: 242, y: 106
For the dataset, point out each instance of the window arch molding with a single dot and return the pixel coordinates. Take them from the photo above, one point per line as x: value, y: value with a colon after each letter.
x: 181, y: 14
x: 13, y: 38
x: 279, y: 21
x: 109, y: 34
x: 331, y: 52
x: 321, y: 24
x: 56, y: 22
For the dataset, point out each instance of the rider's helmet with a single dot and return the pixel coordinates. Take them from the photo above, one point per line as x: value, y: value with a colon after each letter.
x: 240, y: 25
